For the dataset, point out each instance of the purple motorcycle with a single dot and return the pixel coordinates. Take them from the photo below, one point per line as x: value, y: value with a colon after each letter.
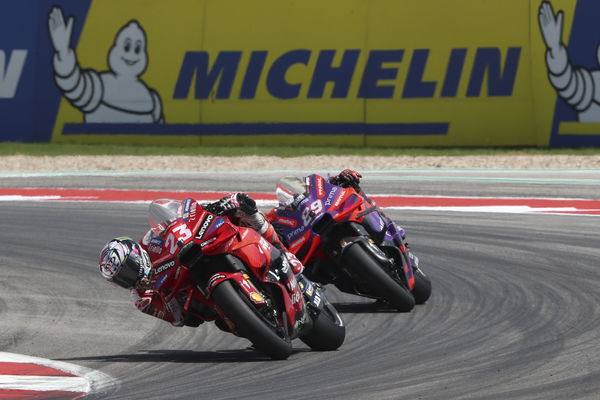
x: 344, y: 239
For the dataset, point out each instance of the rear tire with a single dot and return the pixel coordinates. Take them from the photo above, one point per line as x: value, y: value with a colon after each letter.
x: 328, y: 331
x: 422, y: 289
x: 383, y: 286
x: 249, y: 323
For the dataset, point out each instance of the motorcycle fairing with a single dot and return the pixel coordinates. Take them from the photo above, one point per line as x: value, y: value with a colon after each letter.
x: 323, y: 204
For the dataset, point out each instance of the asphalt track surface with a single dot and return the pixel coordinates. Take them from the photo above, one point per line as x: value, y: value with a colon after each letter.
x: 514, y: 313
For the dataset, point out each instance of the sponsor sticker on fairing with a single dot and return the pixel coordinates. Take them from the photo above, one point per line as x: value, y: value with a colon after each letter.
x: 245, y: 283
x: 257, y: 298
x: 296, y: 296
x: 320, y: 186
x: 186, y: 209
x: 214, y: 278
x: 331, y: 195
x: 164, y: 267
x: 193, y: 209
x: 218, y: 223
x: 306, y: 287
x: 317, y: 299
x: 160, y: 281
x: 207, y: 242
x: 285, y: 265
x: 298, y: 242
x: 204, y: 226
x: 339, y: 199
x: 157, y: 241
x: 292, y: 223
x: 266, y: 246
x: 292, y: 284
x: 153, y: 248
x: 295, y: 232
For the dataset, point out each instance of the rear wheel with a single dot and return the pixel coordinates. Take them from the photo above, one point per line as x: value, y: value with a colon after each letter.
x: 328, y: 331
x: 267, y: 332
x: 382, y: 285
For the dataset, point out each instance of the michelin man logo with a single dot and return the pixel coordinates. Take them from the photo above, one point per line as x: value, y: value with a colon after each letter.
x: 578, y: 86
x: 115, y: 96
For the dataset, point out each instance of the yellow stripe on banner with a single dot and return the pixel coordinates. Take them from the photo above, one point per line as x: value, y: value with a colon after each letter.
x: 579, y: 128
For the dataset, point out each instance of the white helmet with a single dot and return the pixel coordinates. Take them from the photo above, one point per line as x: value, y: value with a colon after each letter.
x: 124, y: 262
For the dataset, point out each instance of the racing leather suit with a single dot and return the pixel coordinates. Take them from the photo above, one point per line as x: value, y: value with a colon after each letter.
x: 149, y: 301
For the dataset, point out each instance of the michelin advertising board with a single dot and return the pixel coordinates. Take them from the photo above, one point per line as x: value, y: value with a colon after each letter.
x: 343, y: 72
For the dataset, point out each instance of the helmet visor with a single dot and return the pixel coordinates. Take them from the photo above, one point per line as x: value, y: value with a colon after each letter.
x: 130, y: 272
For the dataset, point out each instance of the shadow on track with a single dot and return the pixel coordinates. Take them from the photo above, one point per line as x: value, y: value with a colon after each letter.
x: 183, y: 356
x: 364, y: 308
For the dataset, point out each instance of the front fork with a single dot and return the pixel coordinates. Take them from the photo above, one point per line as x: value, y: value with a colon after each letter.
x: 281, y: 275
x: 410, y: 262
x: 307, y: 297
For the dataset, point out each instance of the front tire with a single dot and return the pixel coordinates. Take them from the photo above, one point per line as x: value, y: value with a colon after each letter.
x: 383, y: 286
x: 422, y: 289
x: 265, y: 334
x: 328, y: 331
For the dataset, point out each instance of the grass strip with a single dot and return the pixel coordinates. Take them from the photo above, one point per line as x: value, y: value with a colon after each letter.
x: 62, y: 149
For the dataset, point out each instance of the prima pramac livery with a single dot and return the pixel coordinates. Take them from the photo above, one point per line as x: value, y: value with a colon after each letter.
x: 343, y: 238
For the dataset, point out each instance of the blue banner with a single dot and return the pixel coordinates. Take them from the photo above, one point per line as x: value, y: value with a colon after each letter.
x: 29, y: 98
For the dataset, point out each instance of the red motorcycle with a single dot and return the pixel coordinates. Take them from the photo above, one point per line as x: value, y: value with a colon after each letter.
x: 232, y: 275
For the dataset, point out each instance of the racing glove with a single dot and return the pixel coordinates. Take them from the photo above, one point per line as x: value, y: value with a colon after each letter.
x: 243, y: 207
x: 246, y: 204
x: 230, y: 204
x: 346, y: 178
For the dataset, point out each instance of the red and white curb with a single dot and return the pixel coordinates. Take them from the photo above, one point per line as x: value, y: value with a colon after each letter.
x: 426, y: 203
x: 25, y: 377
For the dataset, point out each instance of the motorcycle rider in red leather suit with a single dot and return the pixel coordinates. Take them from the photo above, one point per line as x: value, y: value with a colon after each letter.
x: 128, y: 264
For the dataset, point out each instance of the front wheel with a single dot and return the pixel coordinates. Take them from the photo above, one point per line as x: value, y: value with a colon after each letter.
x: 268, y: 334
x: 422, y: 289
x: 328, y: 331
x: 382, y: 285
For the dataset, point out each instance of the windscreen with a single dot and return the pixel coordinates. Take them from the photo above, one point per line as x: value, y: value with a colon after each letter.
x: 162, y: 212
x: 287, y: 187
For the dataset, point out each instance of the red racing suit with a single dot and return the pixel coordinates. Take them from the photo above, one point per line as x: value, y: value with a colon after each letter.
x: 149, y: 301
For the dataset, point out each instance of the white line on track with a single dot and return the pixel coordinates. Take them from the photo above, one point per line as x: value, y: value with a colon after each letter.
x: 44, y: 383
x: 28, y: 198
